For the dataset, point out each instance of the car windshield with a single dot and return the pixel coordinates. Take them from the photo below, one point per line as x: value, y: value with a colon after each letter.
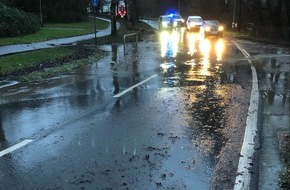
x: 177, y: 17
x: 211, y: 22
x: 195, y: 19
x: 166, y: 18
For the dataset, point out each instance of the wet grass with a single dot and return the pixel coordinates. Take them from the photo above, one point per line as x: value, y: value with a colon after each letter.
x: 15, y: 62
x: 56, y: 31
x: 40, y: 64
x: 126, y: 27
x: 64, y: 68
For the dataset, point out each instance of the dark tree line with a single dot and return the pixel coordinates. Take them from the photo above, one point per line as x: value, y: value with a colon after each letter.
x: 132, y: 9
x: 269, y: 13
x: 264, y: 15
x: 53, y: 10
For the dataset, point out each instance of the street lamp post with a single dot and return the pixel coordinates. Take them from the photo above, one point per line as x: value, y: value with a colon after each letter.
x: 179, y: 6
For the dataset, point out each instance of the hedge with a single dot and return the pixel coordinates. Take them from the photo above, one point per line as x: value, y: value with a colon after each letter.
x: 14, y: 22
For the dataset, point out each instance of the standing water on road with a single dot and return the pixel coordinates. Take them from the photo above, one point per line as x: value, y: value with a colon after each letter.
x: 152, y: 119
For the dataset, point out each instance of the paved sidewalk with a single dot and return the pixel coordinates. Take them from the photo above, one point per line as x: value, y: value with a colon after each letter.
x: 10, y: 49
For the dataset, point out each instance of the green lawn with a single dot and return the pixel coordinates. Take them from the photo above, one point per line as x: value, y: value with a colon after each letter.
x: 27, y: 59
x: 54, y: 31
x: 15, y: 62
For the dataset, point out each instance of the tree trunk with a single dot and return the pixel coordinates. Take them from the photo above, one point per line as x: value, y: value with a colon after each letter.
x: 134, y: 15
x: 113, y: 18
x: 126, y: 9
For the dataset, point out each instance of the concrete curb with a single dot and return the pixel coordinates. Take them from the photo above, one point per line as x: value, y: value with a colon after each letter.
x: 243, y: 179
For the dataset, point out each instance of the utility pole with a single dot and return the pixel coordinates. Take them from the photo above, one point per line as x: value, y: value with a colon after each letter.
x: 95, y: 4
x: 234, y: 15
x: 240, y: 15
x: 113, y: 18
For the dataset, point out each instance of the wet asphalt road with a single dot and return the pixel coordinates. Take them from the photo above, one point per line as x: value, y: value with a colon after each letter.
x: 84, y: 130
x: 81, y: 135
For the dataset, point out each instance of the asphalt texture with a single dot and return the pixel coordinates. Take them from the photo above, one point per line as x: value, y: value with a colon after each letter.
x: 225, y: 171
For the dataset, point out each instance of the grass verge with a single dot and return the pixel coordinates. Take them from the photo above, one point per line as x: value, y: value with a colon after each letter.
x: 56, y: 31
x: 65, y: 67
x: 19, y: 61
x: 41, y: 64
x: 141, y: 28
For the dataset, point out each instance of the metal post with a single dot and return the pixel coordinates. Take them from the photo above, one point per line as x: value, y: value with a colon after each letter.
x: 95, y: 28
x: 94, y: 5
x: 124, y: 41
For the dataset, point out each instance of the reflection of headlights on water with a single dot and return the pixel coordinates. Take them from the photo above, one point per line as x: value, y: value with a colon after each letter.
x: 205, y: 46
x: 169, y: 43
x: 221, y: 28
x: 164, y: 36
x: 220, y: 46
x: 167, y: 66
x: 175, y: 36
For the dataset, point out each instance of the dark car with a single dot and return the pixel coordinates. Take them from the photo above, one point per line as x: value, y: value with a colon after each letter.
x: 165, y: 22
x: 212, y: 28
x: 178, y: 21
x: 170, y: 22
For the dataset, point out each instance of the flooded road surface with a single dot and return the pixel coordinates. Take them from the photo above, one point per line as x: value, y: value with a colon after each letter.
x: 153, y: 119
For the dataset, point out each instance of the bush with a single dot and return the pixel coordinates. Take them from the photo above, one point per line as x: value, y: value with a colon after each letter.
x: 16, y: 23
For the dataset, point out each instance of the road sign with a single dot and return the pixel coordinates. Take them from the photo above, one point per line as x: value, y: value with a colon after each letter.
x: 95, y: 3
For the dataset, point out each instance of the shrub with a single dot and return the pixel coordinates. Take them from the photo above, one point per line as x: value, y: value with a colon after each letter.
x: 14, y: 22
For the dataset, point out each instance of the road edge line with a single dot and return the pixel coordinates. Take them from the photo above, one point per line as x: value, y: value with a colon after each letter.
x: 243, y: 178
x: 15, y: 147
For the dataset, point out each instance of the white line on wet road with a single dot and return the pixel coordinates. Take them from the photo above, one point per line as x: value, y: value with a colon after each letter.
x: 134, y: 86
x: 15, y: 147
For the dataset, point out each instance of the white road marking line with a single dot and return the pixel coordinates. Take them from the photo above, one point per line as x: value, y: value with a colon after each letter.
x: 134, y: 86
x: 15, y: 147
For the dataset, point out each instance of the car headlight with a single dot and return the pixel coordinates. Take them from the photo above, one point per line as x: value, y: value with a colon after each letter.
x: 164, y: 24
x: 174, y: 23
x: 221, y: 28
x: 207, y: 28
